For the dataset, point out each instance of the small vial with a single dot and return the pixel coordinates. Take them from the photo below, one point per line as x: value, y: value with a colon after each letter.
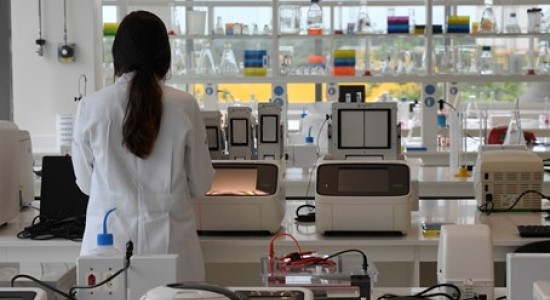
x: 358, y: 97
x: 348, y: 97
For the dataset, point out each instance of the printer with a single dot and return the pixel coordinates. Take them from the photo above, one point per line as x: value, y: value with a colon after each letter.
x: 363, y: 197
x: 501, y: 176
x: 247, y: 196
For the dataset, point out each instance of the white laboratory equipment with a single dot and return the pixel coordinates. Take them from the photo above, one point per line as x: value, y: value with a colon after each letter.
x: 270, y: 132
x: 240, y: 135
x: 501, y: 176
x: 26, y: 174
x: 522, y: 271
x: 246, y: 196
x: 9, y: 164
x: 465, y: 259
x: 364, y: 131
x: 363, y: 197
x: 214, y: 133
x: 193, y: 290
x: 16, y: 293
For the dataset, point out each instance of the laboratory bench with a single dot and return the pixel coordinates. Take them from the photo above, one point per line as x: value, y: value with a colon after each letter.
x: 401, y: 261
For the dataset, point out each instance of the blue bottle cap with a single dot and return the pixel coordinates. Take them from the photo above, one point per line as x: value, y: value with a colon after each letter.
x: 105, y: 239
x: 309, y: 139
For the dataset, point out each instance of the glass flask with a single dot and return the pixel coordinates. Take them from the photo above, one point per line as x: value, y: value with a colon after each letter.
x: 514, y: 133
x: 363, y: 19
x: 543, y: 60
x: 206, y: 61
x: 228, y: 63
x: 486, y: 62
x: 178, y: 57
x: 513, y: 25
x: 488, y: 23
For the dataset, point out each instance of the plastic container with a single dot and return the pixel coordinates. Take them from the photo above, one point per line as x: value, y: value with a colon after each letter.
x: 315, y: 19
x: 105, y: 241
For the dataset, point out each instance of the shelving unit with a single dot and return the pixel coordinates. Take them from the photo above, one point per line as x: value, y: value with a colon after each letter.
x: 370, y: 47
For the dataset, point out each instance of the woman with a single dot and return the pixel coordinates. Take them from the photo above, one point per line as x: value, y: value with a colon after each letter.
x: 140, y: 146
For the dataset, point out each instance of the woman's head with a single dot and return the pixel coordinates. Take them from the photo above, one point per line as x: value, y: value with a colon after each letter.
x: 141, y: 43
x: 142, y: 46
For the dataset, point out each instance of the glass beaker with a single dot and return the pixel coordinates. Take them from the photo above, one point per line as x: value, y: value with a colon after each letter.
x: 289, y: 18
x: 206, y: 61
x: 228, y: 63
x: 534, y: 16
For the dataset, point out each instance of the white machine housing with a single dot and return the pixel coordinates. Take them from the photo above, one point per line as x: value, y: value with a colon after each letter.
x: 465, y: 259
x: 9, y: 164
x: 26, y: 164
x: 246, y: 196
x: 501, y: 176
x: 167, y: 292
x: 364, y: 130
x: 523, y: 270
x: 270, y: 131
x: 214, y: 133
x: 23, y: 293
x: 240, y: 136
x: 541, y: 290
x: 370, y: 197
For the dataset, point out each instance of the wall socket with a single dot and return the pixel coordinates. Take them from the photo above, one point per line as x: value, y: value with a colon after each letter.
x: 94, y: 269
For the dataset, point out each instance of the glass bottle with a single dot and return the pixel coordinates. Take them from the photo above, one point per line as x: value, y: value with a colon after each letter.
x: 315, y: 18
x: 228, y: 63
x: 543, y: 60
x: 363, y: 19
x: 486, y: 61
x: 513, y: 25
x: 219, y: 27
x: 488, y: 23
x: 412, y: 21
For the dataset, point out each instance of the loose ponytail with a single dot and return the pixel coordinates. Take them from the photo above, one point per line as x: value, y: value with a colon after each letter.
x: 143, y: 114
x: 141, y: 46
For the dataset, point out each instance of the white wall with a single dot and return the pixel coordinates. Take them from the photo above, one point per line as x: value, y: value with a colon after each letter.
x: 42, y: 86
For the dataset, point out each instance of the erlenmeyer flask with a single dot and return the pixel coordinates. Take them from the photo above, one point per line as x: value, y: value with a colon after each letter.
x: 206, y: 61
x: 228, y: 63
x: 514, y: 133
x: 363, y: 19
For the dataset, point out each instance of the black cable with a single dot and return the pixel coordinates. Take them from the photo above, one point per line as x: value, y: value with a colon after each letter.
x: 306, y: 218
x: 501, y: 298
x: 365, y: 265
x: 129, y: 252
x: 425, y: 295
x: 488, y: 210
x: 41, y: 283
x: 70, y: 228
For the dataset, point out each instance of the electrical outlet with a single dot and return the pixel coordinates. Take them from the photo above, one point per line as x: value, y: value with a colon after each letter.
x: 94, y: 269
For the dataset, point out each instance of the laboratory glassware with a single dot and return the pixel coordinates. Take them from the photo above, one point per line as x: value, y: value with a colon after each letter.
x: 206, y: 61
x: 488, y: 23
x: 513, y: 26
x: 363, y: 19
x: 534, y: 17
x: 543, y: 60
x: 290, y: 19
x: 486, y: 63
x: 219, y: 27
x: 514, y: 133
x: 228, y: 63
x: 314, y: 19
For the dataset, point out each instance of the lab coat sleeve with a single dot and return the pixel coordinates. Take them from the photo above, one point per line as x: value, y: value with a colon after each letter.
x: 197, y: 157
x: 81, y: 151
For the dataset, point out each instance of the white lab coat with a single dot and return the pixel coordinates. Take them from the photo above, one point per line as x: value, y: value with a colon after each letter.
x: 153, y: 195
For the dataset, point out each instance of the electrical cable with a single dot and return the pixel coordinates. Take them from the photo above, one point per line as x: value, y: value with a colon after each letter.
x: 129, y: 253
x: 425, y: 295
x: 41, y: 283
x: 365, y: 264
x: 501, y: 298
x: 306, y: 218
x: 70, y: 228
x: 488, y: 206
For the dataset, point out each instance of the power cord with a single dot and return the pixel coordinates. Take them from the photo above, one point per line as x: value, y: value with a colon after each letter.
x: 426, y: 295
x: 129, y: 253
x: 70, y: 228
x: 305, y: 218
x: 488, y: 206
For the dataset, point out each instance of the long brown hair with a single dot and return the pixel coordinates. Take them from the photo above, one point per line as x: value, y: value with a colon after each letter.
x: 142, y: 46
